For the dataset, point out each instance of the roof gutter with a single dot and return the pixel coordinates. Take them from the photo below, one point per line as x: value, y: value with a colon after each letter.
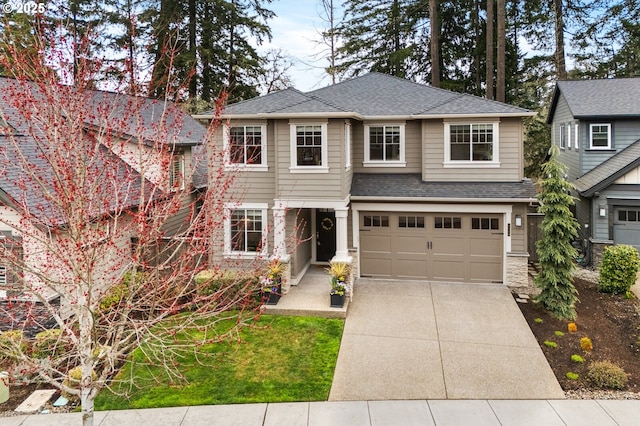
x: 317, y: 115
x: 443, y: 200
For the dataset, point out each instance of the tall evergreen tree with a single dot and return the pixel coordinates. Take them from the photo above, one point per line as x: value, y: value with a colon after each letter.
x: 555, y: 252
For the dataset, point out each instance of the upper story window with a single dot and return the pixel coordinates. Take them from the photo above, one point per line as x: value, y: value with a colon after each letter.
x: 245, y: 228
x: 347, y: 145
x: 576, y: 141
x: 384, y: 146
x: 176, y: 172
x: 564, y: 137
x: 471, y: 143
x: 600, y: 136
x: 309, y: 148
x: 246, y: 146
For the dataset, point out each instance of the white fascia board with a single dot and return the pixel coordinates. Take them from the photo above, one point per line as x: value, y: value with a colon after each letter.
x: 441, y: 200
x: 475, y: 116
x: 442, y: 207
x: 310, y: 204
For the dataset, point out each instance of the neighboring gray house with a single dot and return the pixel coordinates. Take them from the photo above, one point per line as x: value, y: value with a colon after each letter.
x: 404, y: 180
x: 596, y: 124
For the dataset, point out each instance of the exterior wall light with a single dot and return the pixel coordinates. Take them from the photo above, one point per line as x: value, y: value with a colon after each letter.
x: 602, y: 211
x: 518, y: 220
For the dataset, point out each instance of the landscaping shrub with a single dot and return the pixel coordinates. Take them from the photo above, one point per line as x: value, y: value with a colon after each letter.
x: 572, y: 327
x: 550, y: 344
x: 586, y: 344
x: 619, y: 269
x: 9, y: 341
x: 47, y: 343
x: 576, y: 358
x: 572, y: 376
x: 120, y: 291
x: 227, y: 284
x: 73, y: 381
x: 607, y: 375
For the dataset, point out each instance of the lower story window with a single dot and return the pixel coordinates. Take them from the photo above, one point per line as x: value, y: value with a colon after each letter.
x: 411, y: 221
x: 376, y: 221
x: 246, y: 230
x: 629, y: 215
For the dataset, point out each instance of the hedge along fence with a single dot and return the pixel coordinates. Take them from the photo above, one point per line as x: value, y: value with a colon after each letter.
x: 619, y: 269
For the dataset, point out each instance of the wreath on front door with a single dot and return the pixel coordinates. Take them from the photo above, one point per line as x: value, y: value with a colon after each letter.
x: 327, y: 224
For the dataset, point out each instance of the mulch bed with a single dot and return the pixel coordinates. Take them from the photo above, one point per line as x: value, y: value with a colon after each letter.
x: 611, y: 322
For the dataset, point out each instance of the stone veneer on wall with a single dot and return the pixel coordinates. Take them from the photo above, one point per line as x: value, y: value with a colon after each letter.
x: 517, y: 270
x: 597, y: 249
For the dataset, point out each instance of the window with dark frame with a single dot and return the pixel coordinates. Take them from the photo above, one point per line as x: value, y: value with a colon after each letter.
x: 485, y: 223
x: 471, y: 142
x: 309, y: 145
x: 376, y: 221
x: 246, y: 230
x: 448, y: 222
x: 410, y: 221
x: 245, y: 145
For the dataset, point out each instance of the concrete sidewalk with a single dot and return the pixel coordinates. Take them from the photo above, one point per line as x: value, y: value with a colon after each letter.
x: 420, y: 340
x: 363, y: 413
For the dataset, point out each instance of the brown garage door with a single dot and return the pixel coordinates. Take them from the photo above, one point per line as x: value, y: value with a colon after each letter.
x: 434, y: 246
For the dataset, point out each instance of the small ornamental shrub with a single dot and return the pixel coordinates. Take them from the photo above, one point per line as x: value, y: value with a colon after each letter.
x: 227, y: 285
x: 619, y: 269
x: 572, y: 327
x: 47, y: 343
x: 559, y: 333
x: 116, y: 293
x: 572, y: 376
x: 576, y: 358
x: 607, y: 375
x: 550, y: 344
x: 538, y: 320
x: 586, y: 344
x: 73, y: 381
x: 10, y: 342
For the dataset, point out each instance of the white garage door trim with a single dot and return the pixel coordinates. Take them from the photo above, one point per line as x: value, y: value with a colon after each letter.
x: 504, y: 209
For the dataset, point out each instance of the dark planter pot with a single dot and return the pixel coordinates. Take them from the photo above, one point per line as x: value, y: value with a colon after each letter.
x: 337, y: 301
x: 272, y: 297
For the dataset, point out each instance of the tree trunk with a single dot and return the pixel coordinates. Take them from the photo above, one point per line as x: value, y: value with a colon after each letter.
x: 434, y: 43
x: 561, y: 68
x: 193, y: 17
x: 489, y: 51
x: 500, y: 60
x: 475, y: 22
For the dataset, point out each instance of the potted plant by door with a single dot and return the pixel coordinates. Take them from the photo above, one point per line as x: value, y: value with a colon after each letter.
x: 272, y: 282
x: 339, y: 272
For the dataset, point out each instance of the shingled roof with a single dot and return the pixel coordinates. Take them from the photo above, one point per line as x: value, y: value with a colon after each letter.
x: 599, y: 98
x: 370, y: 96
x: 403, y: 186
x: 607, y: 172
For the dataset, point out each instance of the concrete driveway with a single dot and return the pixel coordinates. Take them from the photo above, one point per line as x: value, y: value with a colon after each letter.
x: 419, y: 340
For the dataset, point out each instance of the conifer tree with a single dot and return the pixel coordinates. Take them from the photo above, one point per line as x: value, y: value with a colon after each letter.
x: 555, y: 252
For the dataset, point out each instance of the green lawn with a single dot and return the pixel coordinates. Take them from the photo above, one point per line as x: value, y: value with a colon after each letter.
x: 281, y: 359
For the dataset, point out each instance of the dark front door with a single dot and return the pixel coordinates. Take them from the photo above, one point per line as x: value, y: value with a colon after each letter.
x: 325, y: 235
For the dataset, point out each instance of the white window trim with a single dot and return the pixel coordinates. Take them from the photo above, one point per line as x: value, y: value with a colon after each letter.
x: 569, y: 144
x: 562, y: 141
x: 230, y: 254
x: 471, y: 164
x: 324, y: 167
x: 608, y: 125
x: 229, y: 166
x: 576, y: 141
x: 347, y: 146
x: 181, y: 173
x: 368, y: 162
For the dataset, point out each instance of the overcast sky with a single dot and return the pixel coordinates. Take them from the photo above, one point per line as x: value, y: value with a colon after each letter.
x: 296, y: 31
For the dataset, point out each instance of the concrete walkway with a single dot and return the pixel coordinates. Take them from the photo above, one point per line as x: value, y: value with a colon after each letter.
x: 365, y: 413
x: 418, y: 340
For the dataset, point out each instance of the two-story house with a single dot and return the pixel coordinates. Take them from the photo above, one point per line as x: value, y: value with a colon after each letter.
x: 135, y: 149
x: 405, y: 180
x: 596, y: 124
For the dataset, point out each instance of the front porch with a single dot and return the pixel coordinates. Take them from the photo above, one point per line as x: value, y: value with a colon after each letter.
x: 309, y: 298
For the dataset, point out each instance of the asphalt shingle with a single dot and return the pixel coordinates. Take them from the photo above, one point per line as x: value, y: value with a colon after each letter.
x: 392, y: 185
x: 598, y: 98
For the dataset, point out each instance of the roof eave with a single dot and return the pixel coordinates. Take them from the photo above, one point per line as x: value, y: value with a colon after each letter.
x: 477, y: 115
x: 443, y: 199
x: 316, y: 115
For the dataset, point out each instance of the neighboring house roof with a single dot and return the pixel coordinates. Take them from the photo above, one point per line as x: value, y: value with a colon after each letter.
x: 180, y: 128
x: 609, y: 171
x: 394, y: 186
x: 599, y: 98
x: 371, y: 96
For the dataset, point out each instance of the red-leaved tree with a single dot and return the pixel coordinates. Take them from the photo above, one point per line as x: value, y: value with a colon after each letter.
x: 102, y: 229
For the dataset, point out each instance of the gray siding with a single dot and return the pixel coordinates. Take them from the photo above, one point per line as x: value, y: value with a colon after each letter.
x: 413, y: 149
x: 510, y: 155
x: 299, y: 239
x: 519, y: 233
x: 583, y: 216
x: 313, y: 186
x: 624, y: 133
x: 568, y: 156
